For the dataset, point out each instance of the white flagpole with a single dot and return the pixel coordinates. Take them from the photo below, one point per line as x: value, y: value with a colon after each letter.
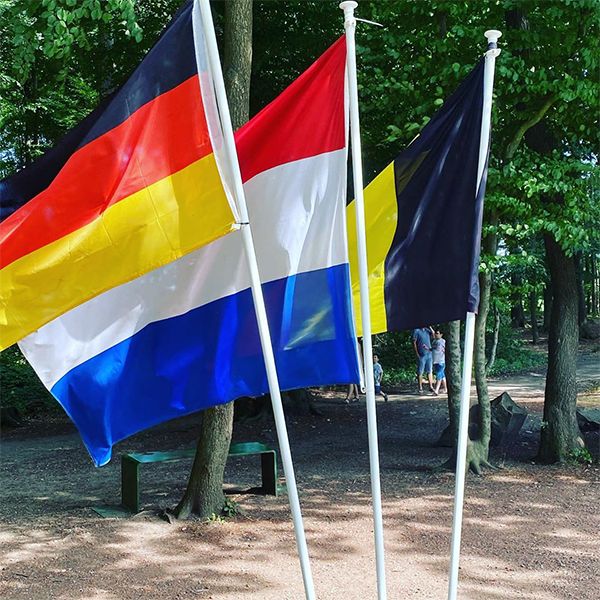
x: 350, y: 27
x: 465, y: 391
x: 257, y: 295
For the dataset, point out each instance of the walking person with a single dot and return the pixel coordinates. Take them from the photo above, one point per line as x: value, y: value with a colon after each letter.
x: 378, y: 376
x: 439, y: 361
x: 352, y: 394
x: 353, y: 389
x: 422, y: 344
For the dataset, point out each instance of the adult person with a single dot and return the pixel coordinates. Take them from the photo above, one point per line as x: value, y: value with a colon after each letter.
x: 421, y: 338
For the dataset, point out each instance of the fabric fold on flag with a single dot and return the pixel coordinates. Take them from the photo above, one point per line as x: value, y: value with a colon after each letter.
x: 423, y: 220
x: 184, y: 337
x: 134, y: 186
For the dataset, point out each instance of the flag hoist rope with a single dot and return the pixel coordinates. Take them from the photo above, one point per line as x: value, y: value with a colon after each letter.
x: 350, y: 27
x: 465, y: 390
x: 257, y: 295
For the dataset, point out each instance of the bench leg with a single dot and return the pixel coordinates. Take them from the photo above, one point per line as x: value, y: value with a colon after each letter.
x: 130, y: 484
x: 268, y: 464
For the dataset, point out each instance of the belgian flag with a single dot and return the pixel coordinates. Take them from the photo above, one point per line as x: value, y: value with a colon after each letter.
x: 131, y: 188
x: 423, y: 221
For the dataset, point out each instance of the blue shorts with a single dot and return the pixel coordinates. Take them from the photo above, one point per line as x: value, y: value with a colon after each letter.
x: 377, y: 389
x: 440, y: 371
x: 424, y: 364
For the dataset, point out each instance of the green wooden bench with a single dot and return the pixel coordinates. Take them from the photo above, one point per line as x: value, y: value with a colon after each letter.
x: 130, y: 468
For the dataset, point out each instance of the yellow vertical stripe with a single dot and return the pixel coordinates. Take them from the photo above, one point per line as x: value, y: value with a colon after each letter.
x: 381, y: 214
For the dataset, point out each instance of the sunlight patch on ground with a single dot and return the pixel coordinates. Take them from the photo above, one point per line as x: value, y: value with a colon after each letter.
x: 510, y: 479
x: 44, y: 545
x: 496, y: 523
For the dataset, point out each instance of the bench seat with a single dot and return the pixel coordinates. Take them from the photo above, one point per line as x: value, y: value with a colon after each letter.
x: 130, y: 468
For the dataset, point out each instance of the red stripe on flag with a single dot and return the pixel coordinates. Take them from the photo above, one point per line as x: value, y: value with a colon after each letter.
x: 159, y: 139
x: 307, y: 119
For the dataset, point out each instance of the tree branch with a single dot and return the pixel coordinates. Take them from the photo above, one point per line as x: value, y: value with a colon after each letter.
x: 524, y: 127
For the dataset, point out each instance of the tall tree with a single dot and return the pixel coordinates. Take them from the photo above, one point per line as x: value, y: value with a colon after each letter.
x: 204, y: 493
x: 544, y: 75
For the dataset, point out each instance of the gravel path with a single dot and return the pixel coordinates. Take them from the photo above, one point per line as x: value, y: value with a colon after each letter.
x: 530, y: 532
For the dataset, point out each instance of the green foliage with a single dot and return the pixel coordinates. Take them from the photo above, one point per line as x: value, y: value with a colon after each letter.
x: 215, y: 518
x: 19, y: 385
x: 524, y: 360
x: 581, y: 456
x: 399, y: 375
x: 59, y: 58
x: 513, y: 354
x: 397, y: 356
x: 230, y: 508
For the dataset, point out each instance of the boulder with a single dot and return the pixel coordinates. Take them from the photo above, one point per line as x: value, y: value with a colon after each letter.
x: 590, y: 330
x: 507, y: 419
x: 588, y: 419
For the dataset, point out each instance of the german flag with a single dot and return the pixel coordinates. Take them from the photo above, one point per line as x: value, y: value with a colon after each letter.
x: 133, y: 187
x: 423, y: 220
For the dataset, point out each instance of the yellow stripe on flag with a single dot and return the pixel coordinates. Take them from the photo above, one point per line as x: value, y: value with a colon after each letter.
x: 381, y: 214
x: 146, y: 230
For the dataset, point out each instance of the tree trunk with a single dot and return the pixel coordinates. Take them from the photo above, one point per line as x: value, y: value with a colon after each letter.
x: 517, y: 314
x: 204, y: 493
x: 495, y: 337
x: 547, y: 306
x: 237, y: 53
x: 560, y: 433
x: 478, y: 449
x: 581, y: 307
x: 453, y: 360
x: 595, y: 295
x: 535, y: 336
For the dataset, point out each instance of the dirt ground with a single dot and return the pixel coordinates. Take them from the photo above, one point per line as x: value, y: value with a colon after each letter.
x: 530, y: 531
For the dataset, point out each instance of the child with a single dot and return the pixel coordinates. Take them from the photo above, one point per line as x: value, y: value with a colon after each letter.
x: 439, y: 361
x: 377, y: 376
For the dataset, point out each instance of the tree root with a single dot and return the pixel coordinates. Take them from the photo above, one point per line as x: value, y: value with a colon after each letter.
x: 477, y: 459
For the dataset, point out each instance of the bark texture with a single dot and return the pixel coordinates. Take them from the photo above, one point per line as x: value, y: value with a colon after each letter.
x: 533, y: 316
x: 495, y: 339
x: 204, y: 494
x: 547, y: 306
x: 237, y: 53
x: 560, y: 432
x: 478, y: 449
x: 453, y: 360
x: 582, y: 307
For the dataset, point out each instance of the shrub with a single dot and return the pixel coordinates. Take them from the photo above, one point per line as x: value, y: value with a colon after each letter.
x: 19, y: 385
